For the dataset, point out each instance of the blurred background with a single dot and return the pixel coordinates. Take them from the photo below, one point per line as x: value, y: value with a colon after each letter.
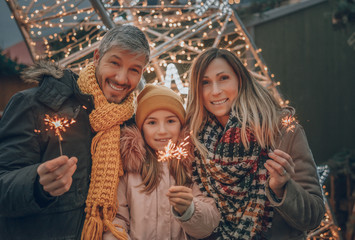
x: 301, y: 50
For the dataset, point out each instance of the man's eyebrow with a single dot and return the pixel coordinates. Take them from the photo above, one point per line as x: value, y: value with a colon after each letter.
x: 119, y: 58
x: 139, y: 66
x: 115, y: 56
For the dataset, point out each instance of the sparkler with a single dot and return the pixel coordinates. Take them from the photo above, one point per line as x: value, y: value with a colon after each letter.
x: 172, y: 151
x: 58, y: 124
x: 289, y: 122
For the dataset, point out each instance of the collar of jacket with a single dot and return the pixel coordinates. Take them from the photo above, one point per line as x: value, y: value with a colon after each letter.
x: 53, y: 92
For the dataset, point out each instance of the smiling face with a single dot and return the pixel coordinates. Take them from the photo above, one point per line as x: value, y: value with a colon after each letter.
x: 219, y: 89
x: 118, y: 73
x: 159, y: 127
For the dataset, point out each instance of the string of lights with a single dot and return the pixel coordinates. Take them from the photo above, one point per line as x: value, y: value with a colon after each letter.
x: 327, y: 228
x: 177, y: 30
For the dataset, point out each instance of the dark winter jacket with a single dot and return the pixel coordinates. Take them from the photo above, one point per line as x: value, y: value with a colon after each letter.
x: 26, y: 210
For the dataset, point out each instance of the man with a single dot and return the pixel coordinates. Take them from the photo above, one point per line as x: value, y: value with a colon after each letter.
x: 42, y: 194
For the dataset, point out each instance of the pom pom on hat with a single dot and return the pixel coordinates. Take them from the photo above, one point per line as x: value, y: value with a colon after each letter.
x: 156, y: 97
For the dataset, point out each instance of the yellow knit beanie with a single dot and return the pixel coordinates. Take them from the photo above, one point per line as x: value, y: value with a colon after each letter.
x: 156, y: 97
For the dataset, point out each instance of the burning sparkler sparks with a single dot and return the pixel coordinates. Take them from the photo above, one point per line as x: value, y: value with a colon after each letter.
x: 59, y: 125
x: 172, y: 151
x: 289, y: 122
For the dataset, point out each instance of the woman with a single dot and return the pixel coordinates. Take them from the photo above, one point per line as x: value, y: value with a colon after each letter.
x: 261, y: 175
x: 158, y: 199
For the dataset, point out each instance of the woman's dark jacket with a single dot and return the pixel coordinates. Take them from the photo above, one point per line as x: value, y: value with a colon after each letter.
x: 26, y: 211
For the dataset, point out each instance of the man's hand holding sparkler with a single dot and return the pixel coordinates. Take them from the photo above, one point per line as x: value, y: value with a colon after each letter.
x: 180, y: 197
x: 281, y: 167
x: 56, y: 175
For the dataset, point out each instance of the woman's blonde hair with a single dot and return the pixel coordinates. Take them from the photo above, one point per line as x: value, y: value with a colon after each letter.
x: 254, y: 107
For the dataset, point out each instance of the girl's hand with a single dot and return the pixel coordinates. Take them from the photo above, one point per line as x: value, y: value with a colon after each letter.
x: 180, y: 197
x: 281, y: 167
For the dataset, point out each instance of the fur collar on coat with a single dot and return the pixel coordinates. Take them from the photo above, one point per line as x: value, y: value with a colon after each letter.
x: 36, y: 72
x: 132, y: 149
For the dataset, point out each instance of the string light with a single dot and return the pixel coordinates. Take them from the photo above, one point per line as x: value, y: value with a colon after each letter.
x: 189, y: 28
x: 327, y: 229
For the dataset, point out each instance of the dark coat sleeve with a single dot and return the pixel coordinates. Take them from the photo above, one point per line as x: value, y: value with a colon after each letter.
x: 20, y: 156
x: 302, y: 205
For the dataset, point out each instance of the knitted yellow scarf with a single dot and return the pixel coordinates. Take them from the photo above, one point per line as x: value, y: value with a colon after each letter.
x: 105, y: 119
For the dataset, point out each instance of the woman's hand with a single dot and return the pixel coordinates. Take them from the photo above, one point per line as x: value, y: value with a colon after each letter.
x: 180, y: 197
x: 281, y: 167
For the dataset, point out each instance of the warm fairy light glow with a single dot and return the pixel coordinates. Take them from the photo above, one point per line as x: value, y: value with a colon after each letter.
x: 327, y: 229
x: 289, y: 122
x: 172, y: 151
x: 176, y: 30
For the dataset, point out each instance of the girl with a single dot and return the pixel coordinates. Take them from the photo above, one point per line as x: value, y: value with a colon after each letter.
x: 262, y: 176
x: 157, y: 200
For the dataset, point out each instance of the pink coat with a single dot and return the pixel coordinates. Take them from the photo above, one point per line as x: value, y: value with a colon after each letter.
x: 150, y: 216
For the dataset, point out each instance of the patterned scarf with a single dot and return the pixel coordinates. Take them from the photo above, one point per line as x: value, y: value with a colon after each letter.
x: 235, y: 177
x: 105, y: 119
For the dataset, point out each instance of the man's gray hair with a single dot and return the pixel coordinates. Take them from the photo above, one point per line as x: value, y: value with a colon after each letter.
x: 125, y: 37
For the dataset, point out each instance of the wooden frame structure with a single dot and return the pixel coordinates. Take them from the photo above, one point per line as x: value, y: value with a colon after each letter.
x: 178, y: 30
